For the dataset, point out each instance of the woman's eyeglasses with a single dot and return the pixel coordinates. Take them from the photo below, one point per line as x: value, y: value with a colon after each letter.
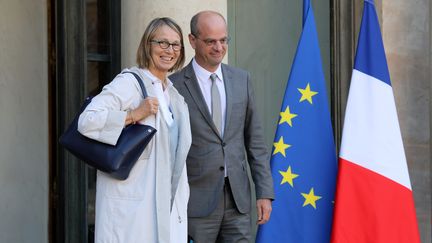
x: 165, y: 44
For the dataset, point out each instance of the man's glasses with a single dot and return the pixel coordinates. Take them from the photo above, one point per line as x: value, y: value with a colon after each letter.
x: 165, y: 44
x: 212, y: 42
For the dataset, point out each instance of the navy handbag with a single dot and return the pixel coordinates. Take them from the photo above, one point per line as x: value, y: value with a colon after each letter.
x: 116, y: 160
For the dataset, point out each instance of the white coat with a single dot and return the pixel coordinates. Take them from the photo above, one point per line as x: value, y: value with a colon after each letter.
x: 151, y: 204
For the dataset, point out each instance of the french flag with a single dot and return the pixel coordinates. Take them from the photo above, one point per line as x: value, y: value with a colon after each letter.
x: 374, y: 201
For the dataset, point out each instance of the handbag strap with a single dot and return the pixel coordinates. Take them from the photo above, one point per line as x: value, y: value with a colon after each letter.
x: 140, y: 82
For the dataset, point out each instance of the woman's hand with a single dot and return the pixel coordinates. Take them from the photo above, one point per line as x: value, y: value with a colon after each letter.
x: 149, y: 106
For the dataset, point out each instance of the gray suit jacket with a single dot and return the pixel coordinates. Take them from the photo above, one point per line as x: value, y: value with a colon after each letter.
x: 243, y: 137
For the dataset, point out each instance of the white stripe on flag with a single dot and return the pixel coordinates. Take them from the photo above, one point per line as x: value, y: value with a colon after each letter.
x: 371, y: 135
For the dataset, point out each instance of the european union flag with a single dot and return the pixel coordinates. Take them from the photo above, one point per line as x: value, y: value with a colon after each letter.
x: 303, y: 163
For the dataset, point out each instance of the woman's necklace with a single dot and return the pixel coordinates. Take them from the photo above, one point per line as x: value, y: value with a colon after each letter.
x: 164, y: 84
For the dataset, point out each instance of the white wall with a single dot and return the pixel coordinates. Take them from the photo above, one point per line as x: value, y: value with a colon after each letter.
x: 136, y: 14
x: 23, y: 121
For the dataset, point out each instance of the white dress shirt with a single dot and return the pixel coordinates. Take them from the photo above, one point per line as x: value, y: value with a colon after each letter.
x: 162, y: 96
x: 205, y: 84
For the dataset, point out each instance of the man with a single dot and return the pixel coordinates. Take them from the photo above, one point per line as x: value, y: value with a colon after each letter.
x: 225, y: 130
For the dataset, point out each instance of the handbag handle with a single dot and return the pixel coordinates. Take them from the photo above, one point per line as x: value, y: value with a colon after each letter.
x: 140, y: 82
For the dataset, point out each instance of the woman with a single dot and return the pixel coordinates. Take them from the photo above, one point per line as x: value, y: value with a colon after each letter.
x: 151, y: 205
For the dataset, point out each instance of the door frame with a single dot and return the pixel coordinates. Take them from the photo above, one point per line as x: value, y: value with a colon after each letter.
x: 68, y: 57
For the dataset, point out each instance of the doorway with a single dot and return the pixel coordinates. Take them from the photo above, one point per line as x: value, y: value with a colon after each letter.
x: 84, y: 47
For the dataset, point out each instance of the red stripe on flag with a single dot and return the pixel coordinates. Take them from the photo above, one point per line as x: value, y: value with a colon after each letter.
x: 372, y: 208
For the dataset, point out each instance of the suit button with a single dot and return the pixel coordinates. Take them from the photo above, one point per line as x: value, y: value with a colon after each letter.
x: 221, y: 168
x: 223, y: 144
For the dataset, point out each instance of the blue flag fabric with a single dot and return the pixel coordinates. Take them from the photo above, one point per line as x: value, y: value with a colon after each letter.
x: 303, y: 163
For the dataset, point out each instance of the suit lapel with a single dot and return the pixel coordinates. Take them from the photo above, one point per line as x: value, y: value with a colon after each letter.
x: 228, y: 79
x: 192, y: 85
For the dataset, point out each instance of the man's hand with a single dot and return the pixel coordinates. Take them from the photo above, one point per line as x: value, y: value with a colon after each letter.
x: 264, y: 208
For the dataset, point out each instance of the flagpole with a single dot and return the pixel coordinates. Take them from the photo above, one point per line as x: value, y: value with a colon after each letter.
x: 306, y: 4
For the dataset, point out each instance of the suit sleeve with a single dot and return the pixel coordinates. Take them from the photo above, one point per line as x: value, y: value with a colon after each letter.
x: 258, y: 156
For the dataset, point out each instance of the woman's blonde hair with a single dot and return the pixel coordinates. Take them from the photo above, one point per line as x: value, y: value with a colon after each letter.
x: 143, y: 54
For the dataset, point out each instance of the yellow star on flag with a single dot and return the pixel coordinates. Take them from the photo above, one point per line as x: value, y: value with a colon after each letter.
x: 280, y: 147
x: 310, y: 198
x: 288, y: 176
x: 307, y: 94
x: 287, y: 116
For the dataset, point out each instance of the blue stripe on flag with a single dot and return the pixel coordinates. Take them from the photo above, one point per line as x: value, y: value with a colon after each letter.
x: 370, y: 58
